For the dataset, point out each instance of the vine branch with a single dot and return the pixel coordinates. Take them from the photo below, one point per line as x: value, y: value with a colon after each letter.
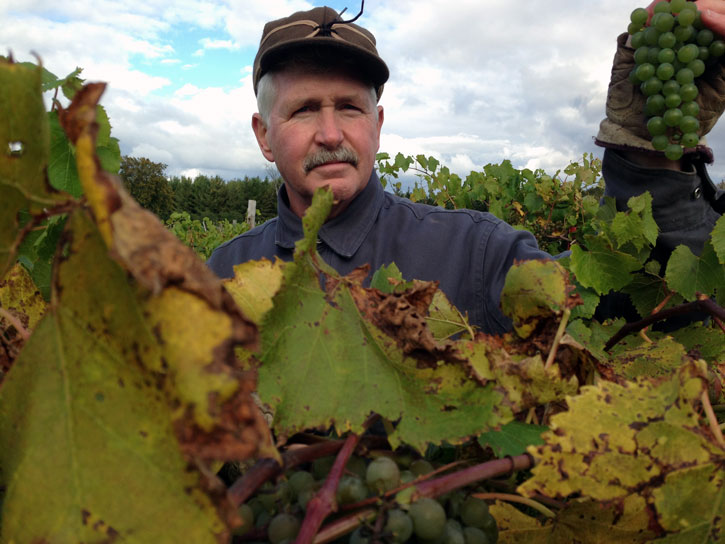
x: 706, y: 305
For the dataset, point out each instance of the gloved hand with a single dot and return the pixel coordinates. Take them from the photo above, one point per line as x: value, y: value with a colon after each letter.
x: 625, y: 124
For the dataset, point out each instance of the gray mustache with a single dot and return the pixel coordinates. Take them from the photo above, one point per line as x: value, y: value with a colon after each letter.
x: 341, y: 154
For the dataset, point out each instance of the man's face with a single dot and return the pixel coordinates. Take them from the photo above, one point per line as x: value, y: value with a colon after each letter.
x: 322, y: 130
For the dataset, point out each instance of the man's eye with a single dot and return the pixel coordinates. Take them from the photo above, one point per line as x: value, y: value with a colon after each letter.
x: 303, y: 109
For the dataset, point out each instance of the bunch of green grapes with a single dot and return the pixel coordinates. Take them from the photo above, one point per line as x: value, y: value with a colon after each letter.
x: 670, y: 53
x: 458, y: 518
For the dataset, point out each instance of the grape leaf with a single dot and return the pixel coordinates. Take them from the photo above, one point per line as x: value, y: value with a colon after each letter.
x: 325, y: 362
x: 718, y: 239
x: 689, y: 274
x: 20, y: 296
x: 639, y: 438
x: 647, y: 291
x: 708, y: 342
x: 602, y: 268
x: 513, y: 438
x: 659, y: 358
x: 637, y: 226
x: 24, y: 149
x: 254, y: 285
x: 84, y: 416
x: 62, y: 171
x: 534, y: 290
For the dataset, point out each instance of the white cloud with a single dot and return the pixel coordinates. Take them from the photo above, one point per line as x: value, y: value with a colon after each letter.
x: 208, y: 43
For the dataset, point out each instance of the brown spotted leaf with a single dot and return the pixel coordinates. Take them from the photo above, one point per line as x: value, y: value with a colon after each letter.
x: 640, y: 438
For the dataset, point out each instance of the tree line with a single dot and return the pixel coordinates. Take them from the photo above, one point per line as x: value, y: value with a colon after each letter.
x: 202, y: 197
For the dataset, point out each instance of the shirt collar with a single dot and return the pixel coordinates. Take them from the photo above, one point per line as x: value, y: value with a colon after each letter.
x: 345, y: 233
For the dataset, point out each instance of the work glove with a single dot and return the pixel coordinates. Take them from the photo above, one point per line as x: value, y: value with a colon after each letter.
x: 625, y: 125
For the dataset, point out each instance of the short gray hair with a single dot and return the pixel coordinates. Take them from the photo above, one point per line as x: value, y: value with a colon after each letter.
x: 310, y: 62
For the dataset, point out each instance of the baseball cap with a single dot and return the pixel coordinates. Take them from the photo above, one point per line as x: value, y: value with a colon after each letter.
x: 320, y: 27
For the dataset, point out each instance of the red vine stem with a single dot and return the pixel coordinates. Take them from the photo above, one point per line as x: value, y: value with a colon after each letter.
x: 476, y: 473
x: 324, y: 501
x: 712, y: 420
x: 342, y: 526
x: 265, y: 469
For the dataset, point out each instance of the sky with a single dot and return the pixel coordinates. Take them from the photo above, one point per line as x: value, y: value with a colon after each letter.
x: 472, y: 81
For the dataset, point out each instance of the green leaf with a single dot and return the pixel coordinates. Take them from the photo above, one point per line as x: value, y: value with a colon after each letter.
x: 62, y: 170
x: 647, y: 292
x: 389, y: 279
x: 636, y: 226
x: 513, y: 438
x: 688, y: 274
x: 602, y: 268
x: 24, y: 151
x: 87, y: 420
x: 350, y: 368
x: 718, y: 239
x: 110, y: 156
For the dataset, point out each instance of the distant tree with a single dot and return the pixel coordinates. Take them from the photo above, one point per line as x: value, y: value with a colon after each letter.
x: 146, y: 182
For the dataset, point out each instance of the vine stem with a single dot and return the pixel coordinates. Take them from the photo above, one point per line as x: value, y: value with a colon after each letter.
x: 517, y: 498
x: 15, y: 322
x: 557, y: 339
x: 265, y: 469
x: 476, y: 473
x: 714, y: 424
x: 324, y: 501
x: 342, y: 526
x: 704, y: 305
x: 658, y: 308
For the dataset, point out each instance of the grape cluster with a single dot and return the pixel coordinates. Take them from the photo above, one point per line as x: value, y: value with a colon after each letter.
x: 457, y: 518
x: 669, y: 54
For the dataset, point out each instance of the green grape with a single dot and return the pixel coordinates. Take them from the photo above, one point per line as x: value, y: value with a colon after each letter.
x: 653, y: 54
x: 453, y: 533
x: 672, y: 117
x: 356, y: 465
x: 300, y: 480
x: 689, y: 124
x: 683, y: 33
x: 633, y: 28
x: 688, y: 53
x: 639, y: 16
x: 282, y: 526
x: 704, y: 53
x: 399, y: 525
x: 641, y: 54
x: 660, y: 142
x: 246, y: 513
x: 321, y: 466
x: 473, y: 511
x: 652, y: 86
x: 420, y: 467
x: 638, y: 39
x: 489, y: 526
x: 673, y: 100
x: 429, y: 518
x: 656, y: 125
x: 684, y: 75
x: 645, y: 71
x: 697, y: 67
x: 357, y: 536
x: 474, y: 535
x: 406, y: 476
x: 673, y: 152
x: 351, y: 489
x: 676, y: 6
x: 690, y: 108
x: 666, y: 55
x: 665, y: 71
x: 651, y: 35
x: 662, y: 7
x: 705, y: 37
x: 655, y: 105
x: 262, y: 519
x: 670, y: 87
x: 717, y: 48
x: 686, y: 17
x: 688, y: 92
x: 382, y: 475
x: 663, y: 22
x: 305, y: 497
x: 690, y: 139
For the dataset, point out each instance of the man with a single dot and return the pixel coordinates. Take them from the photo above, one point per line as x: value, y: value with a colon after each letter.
x: 318, y: 80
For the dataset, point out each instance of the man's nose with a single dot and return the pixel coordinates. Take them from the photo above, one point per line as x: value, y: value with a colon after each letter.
x: 329, y: 134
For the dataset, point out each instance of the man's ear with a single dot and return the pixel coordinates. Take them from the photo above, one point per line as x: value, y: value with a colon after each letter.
x: 260, y: 132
